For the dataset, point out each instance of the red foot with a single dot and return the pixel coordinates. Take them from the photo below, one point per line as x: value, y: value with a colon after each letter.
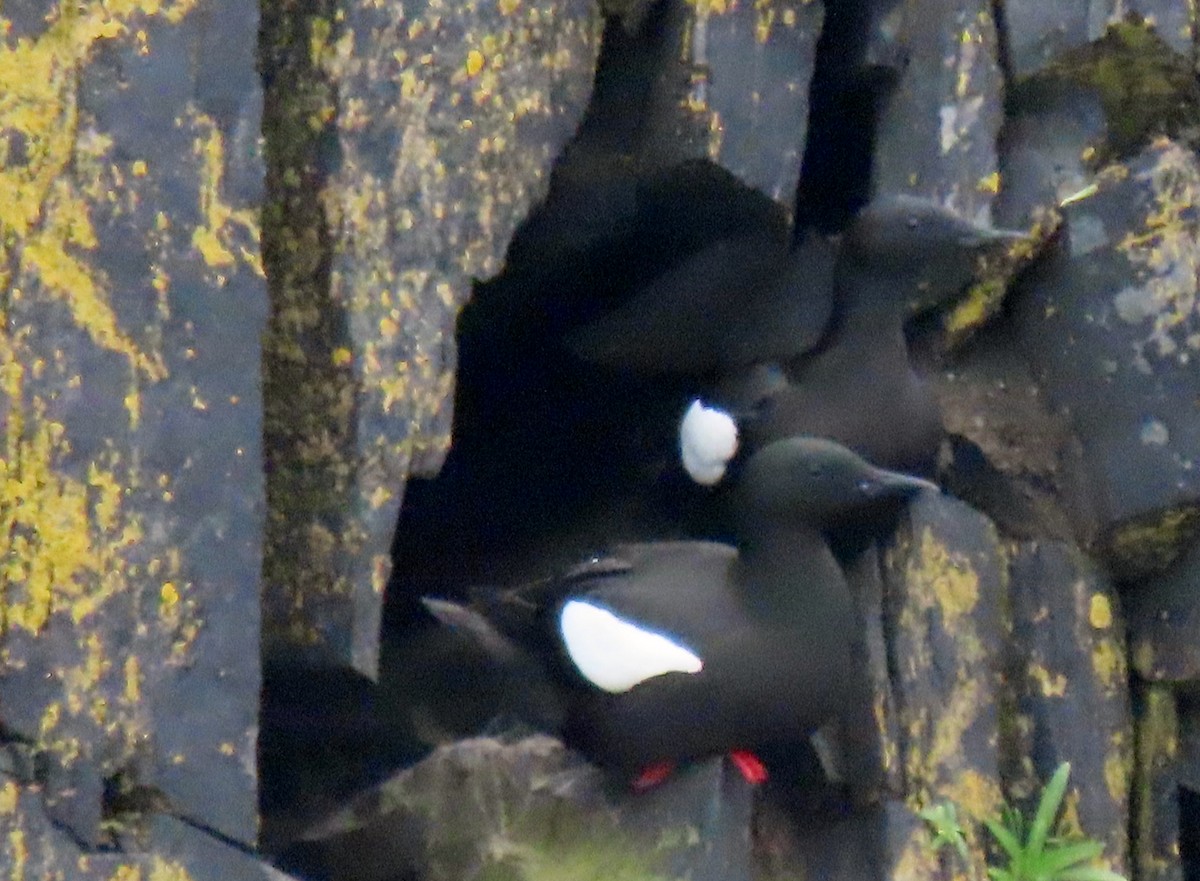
x: 652, y: 775
x: 750, y: 765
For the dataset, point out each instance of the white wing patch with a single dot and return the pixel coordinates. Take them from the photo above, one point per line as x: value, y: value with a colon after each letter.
x: 708, y: 439
x: 615, y: 654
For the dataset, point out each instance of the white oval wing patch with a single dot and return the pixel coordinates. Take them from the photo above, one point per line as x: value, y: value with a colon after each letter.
x: 615, y: 654
x: 708, y: 439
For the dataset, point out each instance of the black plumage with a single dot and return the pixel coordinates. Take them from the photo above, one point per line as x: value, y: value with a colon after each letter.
x: 772, y: 619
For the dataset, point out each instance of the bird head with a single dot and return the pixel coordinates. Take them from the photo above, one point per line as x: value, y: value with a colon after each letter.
x: 816, y: 481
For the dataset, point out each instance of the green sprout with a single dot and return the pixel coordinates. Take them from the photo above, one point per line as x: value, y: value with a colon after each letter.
x: 943, y: 822
x: 1033, y: 854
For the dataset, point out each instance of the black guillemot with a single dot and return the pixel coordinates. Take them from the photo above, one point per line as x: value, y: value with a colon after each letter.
x: 678, y: 650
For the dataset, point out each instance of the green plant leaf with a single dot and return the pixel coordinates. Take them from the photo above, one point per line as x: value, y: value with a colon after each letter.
x: 1054, y: 860
x: 1008, y: 841
x: 1047, y: 809
x: 1089, y: 873
x: 999, y: 874
x: 1013, y: 820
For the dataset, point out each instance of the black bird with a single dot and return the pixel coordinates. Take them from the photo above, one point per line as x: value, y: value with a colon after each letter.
x: 858, y: 386
x: 672, y: 651
x: 738, y: 301
x: 808, y: 340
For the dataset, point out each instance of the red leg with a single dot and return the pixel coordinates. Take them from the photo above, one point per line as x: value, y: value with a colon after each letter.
x: 750, y: 765
x: 652, y: 775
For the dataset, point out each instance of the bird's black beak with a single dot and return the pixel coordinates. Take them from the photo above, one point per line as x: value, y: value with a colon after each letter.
x: 982, y: 237
x: 892, y: 484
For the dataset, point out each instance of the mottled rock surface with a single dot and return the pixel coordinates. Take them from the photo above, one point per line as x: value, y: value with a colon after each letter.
x: 1068, y: 659
x: 530, y: 809
x: 945, y: 580
x: 403, y: 148
x: 1110, y: 329
x: 132, y: 482
x: 1164, y: 623
x: 1040, y: 33
x: 753, y: 64
x: 937, y: 136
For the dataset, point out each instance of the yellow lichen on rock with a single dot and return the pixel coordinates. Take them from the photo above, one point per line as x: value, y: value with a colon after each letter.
x: 65, y: 526
x: 213, y: 238
x: 1100, y: 611
x: 1108, y: 662
x: 1116, y: 770
x: 945, y: 579
x: 977, y: 795
x: 44, y: 218
x: 1050, y: 684
x: 1166, y: 249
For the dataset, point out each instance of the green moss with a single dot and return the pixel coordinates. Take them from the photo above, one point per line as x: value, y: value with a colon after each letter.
x: 994, y: 274
x: 597, y: 856
x: 1156, y: 736
x: 1146, y: 88
x: 1149, y: 544
x: 308, y: 387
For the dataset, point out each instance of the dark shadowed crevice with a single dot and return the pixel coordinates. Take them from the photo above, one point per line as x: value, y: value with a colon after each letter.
x: 847, y: 92
x: 1003, y: 44
x: 1189, y: 832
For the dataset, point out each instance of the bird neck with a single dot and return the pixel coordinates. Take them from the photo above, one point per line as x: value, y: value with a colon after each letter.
x: 871, y: 306
x: 793, y: 564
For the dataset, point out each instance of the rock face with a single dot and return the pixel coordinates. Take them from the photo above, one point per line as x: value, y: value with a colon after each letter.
x: 937, y: 136
x: 1110, y: 332
x: 994, y: 622
x: 440, y: 821
x: 403, y: 150
x: 205, y: 450
x: 133, y: 497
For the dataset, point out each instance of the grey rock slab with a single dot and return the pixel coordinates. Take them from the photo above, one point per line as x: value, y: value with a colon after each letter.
x: 732, y: 86
x: 483, y: 808
x: 1044, y: 146
x: 753, y: 63
x: 133, y: 485
x: 945, y: 577
x: 1039, y: 32
x: 1156, y: 826
x: 32, y: 846
x: 937, y: 134
x: 1069, y: 663
x: 1110, y: 328
x: 427, y: 135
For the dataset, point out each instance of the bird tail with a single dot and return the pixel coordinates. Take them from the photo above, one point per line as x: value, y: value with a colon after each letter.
x: 518, y: 675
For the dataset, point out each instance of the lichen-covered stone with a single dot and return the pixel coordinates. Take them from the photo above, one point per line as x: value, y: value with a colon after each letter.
x: 532, y: 811
x: 1145, y: 88
x: 945, y: 583
x: 1111, y: 330
x: 1047, y: 146
x: 752, y: 64
x: 1043, y: 35
x: 31, y: 846
x: 131, y: 486
x: 871, y: 747
x: 1038, y: 32
x: 727, y: 82
x: 937, y: 135
x: 1068, y: 652
x: 406, y: 145
x: 1155, y: 798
